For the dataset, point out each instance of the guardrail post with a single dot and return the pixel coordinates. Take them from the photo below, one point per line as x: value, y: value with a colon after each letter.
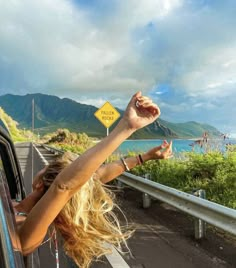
x: 200, y: 225
x: 146, y: 198
x: 120, y: 185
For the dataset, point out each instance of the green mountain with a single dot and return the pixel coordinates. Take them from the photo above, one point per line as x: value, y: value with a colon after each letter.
x: 191, y: 128
x: 51, y: 113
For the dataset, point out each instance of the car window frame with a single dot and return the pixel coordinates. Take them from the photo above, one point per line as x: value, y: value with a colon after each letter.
x: 11, y: 187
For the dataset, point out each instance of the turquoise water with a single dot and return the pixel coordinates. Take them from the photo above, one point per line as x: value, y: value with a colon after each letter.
x: 178, y: 145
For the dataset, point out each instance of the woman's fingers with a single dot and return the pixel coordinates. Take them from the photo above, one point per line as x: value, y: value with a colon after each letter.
x: 143, y: 102
x: 158, y: 148
x: 38, y: 177
x: 149, y: 106
x: 167, y: 152
x: 164, y: 144
x: 154, y: 109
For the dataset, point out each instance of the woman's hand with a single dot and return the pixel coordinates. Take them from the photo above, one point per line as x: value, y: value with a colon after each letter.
x: 141, y: 111
x: 164, y: 151
x: 38, y: 179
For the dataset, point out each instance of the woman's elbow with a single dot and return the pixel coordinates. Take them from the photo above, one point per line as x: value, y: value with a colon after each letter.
x: 28, y: 249
x: 28, y: 241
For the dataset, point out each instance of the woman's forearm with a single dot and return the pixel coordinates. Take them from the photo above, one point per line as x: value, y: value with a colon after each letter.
x: 28, y: 203
x: 110, y: 171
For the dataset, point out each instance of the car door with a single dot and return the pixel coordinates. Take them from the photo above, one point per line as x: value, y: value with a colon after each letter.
x: 11, y: 187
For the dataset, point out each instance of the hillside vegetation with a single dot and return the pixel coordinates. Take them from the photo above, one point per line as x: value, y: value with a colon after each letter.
x: 62, y: 138
x: 11, y: 125
x: 65, y: 140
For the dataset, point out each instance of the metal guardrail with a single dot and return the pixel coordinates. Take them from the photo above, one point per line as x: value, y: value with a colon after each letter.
x: 39, y: 157
x: 51, y: 149
x: 210, y: 212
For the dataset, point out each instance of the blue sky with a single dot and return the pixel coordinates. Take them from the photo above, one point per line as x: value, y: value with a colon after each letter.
x: 182, y: 53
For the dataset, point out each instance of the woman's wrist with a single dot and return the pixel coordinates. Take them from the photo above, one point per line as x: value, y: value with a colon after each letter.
x: 125, y: 126
x: 145, y: 157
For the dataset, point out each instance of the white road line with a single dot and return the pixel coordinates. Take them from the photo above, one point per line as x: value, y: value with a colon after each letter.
x: 116, y: 260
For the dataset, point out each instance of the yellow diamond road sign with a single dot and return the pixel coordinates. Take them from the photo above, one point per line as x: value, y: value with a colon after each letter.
x: 107, y: 114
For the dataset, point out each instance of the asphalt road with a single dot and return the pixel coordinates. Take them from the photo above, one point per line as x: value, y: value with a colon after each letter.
x: 163, y: 236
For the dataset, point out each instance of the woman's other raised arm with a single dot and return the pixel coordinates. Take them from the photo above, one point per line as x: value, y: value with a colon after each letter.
x: 110, y: 171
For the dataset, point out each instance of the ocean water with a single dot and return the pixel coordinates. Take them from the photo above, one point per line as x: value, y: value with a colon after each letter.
x: 178, y: 145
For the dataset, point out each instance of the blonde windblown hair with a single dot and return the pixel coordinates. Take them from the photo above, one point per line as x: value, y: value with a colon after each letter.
x: 87, y: 222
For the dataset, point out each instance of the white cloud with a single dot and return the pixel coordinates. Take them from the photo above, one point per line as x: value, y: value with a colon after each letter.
x: 54, y: 45
x: 60, y: 48
x: 91, y: 101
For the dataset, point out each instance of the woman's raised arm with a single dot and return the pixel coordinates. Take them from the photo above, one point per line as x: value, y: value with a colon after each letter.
x: 139, y: 113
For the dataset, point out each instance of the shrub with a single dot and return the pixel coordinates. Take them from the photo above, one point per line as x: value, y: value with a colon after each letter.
x: 213, y: 172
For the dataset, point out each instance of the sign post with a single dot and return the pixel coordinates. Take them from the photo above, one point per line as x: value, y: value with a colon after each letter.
x: 107, y: 115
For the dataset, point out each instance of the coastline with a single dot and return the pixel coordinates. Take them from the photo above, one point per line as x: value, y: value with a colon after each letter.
x: 179, y: 145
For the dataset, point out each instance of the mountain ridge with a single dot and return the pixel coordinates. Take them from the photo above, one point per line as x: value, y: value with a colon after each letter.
x: 52, y: 112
